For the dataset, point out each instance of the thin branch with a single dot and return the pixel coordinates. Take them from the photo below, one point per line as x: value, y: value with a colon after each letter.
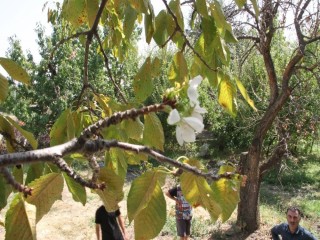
x: 101, y: 144
x: 69, y: 171
x: 18, y: 186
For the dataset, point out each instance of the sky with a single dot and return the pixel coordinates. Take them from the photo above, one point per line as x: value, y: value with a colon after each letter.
x: 19, y: 18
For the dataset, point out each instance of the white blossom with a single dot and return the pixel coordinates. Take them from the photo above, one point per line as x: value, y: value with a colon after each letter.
x: 193, y: 90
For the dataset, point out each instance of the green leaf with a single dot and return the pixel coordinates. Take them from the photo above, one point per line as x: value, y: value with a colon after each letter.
x: 226, y: 96
x: 178, y: 71
x: 14, y: 70
x: 28, y: 135
x: 34, y: 171
x: 3, y: 87
x: 22, y: 215
x: 133, y: 128
x: 240, y: 3
x: 201, y: 6
x: 60, y: 129
x: 112, y: 194
x: 130, y: 17
x: 196, y: 190
x: 255, y: 7
x: 160, y: 35
x: 142, y: 84
x: 149, y: 25
x: 75, y: 12
x: 7, y: 129
x: 17, y: 173
x: 78, y: 192
x: 176, y: 9
x: 5, y: 190
x: 92, y: 10
x: 153, y: 216
x: 156, y: 67
x: 141, y: 192
x: 135, y: 159
x: 146, y: 204
x: 153, y: 135
x: 245, y: 94
x: 116, y: 160
x: 46, y: 190
x: 140, y: 5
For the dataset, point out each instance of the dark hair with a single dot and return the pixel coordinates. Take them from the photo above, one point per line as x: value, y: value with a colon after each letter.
x: 293, y: 209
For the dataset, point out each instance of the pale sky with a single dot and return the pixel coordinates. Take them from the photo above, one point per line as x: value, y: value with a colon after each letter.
x: 19, y: 17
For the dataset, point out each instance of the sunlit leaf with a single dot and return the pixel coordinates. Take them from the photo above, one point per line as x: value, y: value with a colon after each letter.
x: 78, y: 192
x: 14, y: 70
x: 17, y: 173
x: 59, y: 130
x: 245, y: 94
x: 178, y: 71
x: 135, y: 159
x: 197, y: 191
x: 140, y: 5
x: 176, y: 9
x: 23, y: 215
x: 113, y: 193
x: 142, y: 192
x: 153, y: 134
x: 3, y: 87
x: 46, y: 190
x: 7, y: 129
x: 153, y: 216
x: 226, y: 96
x: 218, y: 15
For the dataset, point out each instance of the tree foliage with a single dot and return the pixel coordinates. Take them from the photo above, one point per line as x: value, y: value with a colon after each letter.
x: 115, y: 121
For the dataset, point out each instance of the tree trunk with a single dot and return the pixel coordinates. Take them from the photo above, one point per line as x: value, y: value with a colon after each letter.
x: 248, y: 207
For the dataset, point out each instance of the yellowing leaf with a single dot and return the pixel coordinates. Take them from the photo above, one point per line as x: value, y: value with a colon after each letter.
x: 23, y: 215
x: 218, y: 15
x: 245, y: 94
x: 14, y: 70
x: 256, y: 7
x: 46, y: 190
x: 178, y: 71
x: 153, y: 133
x: 75, y: 12
x: 78, y: 192
x: 226, y: 96
x: 226, y: 192
x: 240, y: 3
x: 176, y: 9
x: 113, y: 193
x: 92, y: 10
x: 63, y: 129
x: 116, y: 160
x: 196, y: 190
x: 140, y: 5
x: 3, y: 87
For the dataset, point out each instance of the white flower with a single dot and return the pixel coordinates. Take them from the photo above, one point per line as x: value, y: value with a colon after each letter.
x: 197, y: 111
x: 192, y: 90
x: 186, y: 127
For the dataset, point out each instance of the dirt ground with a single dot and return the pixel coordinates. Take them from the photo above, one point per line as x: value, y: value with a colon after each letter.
x: 71, y: 220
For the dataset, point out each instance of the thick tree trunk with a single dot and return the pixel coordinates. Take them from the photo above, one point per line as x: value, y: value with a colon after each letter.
x: 248, y: 208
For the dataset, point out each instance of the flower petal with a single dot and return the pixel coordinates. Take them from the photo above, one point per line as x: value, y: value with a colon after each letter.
x: 179, y: 132
x: 194, y: 123
x: 195, y: 81
x: 199, y: 109
x: 173, y: 117
x: 193, y: 96
x: 188, y: 134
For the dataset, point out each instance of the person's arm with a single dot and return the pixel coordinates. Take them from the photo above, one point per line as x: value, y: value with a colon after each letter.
x: 169, y: 196
x: 122, y: 226
x: 98, y: 232
x: 275, y: 231
x: 172, y: 194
